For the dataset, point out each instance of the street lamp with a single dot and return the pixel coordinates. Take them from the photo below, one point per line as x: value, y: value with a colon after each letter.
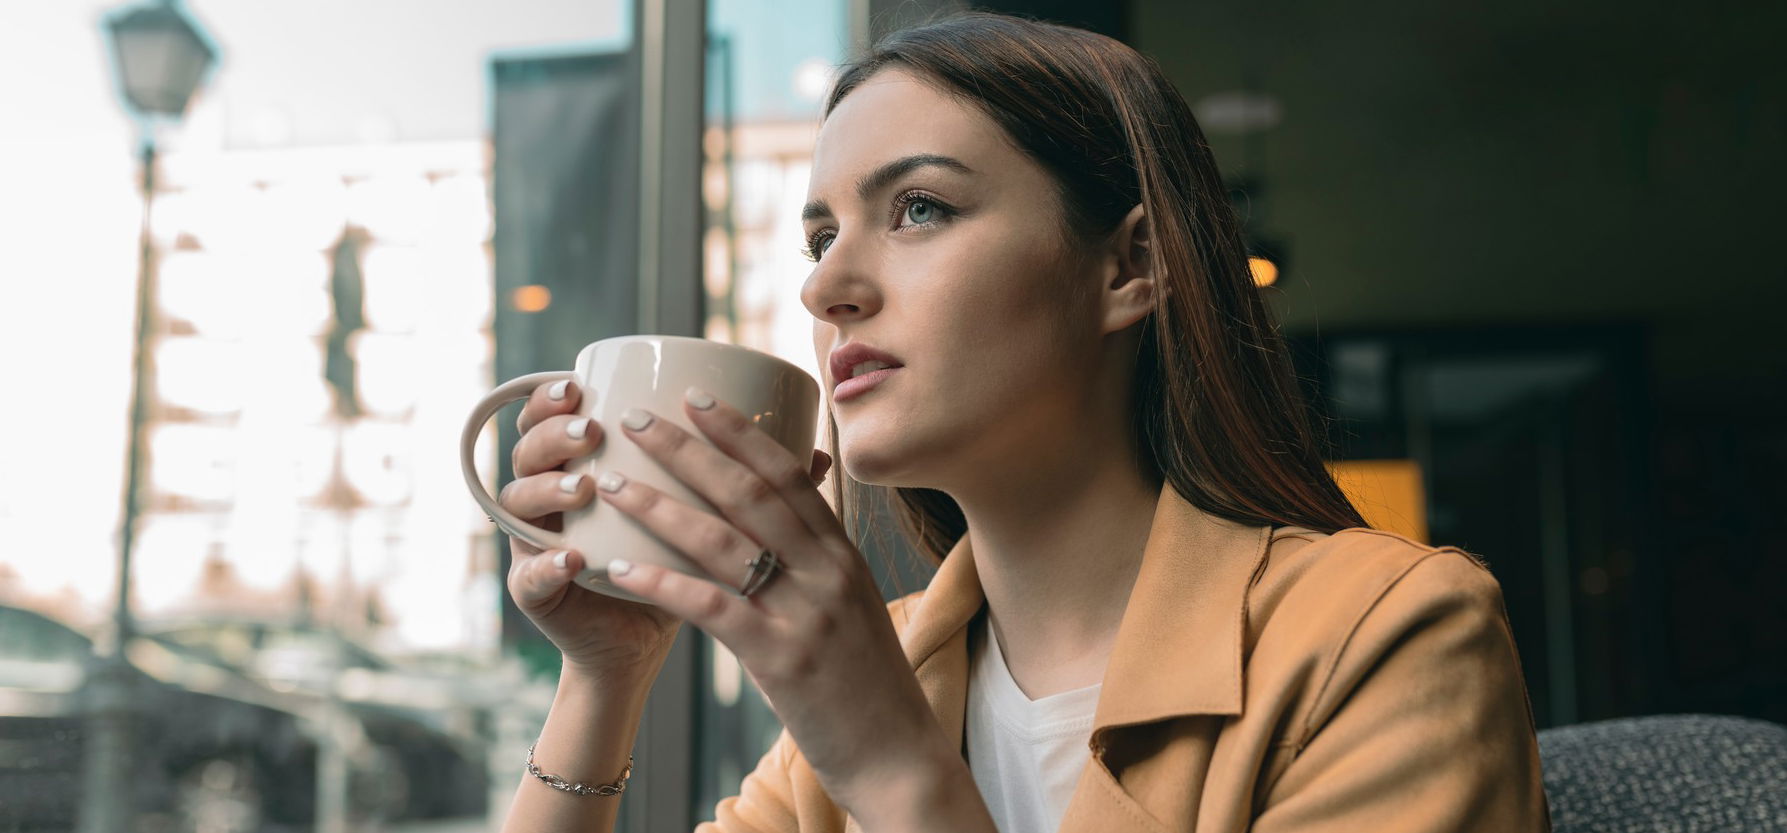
x: 161, y: 57
x: 159, y: 60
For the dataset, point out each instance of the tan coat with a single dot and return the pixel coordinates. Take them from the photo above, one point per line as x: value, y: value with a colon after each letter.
x: 1275, y: 680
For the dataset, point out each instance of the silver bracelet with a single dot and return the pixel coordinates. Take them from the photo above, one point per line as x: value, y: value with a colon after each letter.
x: 557, y: 783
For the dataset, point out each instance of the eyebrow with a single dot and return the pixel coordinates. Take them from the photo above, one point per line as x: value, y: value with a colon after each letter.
x: 880, y: 177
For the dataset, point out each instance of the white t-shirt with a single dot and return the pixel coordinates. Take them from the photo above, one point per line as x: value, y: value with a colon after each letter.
x: 1026, y: 755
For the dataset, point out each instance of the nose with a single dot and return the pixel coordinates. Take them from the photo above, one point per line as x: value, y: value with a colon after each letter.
x: 840, y: 289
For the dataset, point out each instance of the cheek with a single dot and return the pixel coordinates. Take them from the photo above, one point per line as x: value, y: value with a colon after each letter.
x: 1004, y: 298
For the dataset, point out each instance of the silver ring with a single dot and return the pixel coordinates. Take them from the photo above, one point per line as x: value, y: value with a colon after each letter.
x: 761, y: 569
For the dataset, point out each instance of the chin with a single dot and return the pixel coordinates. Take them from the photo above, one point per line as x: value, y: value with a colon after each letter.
x: 870, y: 455
x: 867, y: 466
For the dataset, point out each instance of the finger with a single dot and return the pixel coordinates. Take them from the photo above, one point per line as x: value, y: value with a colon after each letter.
x: 553, y: 441
x: 742, y: 442
x: 546, y: 494
x: 718, y: 548
x: 560, y: 397
x: 821, y: 465
x: 539, y: 582
x: 729, y: 618
x: 743, y: 498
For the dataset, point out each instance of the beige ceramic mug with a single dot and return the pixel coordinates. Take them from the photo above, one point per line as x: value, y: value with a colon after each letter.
x: 650, y: 372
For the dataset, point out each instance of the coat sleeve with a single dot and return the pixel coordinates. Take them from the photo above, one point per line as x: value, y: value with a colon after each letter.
x: 765, y: 800
x: 1422, y: 723
x: 782, y: 795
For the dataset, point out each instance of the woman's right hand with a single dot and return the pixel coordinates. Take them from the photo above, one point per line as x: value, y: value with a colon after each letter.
x: 602, y: 634
x: 597, y: 633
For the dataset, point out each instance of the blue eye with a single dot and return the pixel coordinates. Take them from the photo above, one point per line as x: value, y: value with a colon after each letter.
x: 920, y: 211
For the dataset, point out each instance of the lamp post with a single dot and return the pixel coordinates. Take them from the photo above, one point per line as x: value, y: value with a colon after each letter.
x: 159, y: 58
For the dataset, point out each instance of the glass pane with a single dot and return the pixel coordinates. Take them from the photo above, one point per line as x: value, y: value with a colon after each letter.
x: 769, y: 66
x: 317, y: 601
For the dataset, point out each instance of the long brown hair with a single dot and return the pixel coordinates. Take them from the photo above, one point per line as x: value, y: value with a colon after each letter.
x: 1216, y: 405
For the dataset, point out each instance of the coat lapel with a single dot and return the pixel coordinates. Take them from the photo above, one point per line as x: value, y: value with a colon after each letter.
x: 1175, y: 673
x: 1175, y: 670
x: 936, y: 639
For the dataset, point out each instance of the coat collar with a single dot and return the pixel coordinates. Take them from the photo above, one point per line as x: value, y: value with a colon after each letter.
x: 1179, y: 647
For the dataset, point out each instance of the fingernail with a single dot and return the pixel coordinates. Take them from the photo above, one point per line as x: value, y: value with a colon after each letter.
x: 559, y: 559
x: 576, y: 429
x: 698, y: 397
x: 569, y: 483
x: 557, y: 391
x: 619, y: 567
x: 611, y: 481
x: 636, y: 419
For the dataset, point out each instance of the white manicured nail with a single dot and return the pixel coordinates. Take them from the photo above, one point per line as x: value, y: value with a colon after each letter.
x: 559, y: 559
x: 698, y: 398
x: 556, y: 393
x: 568, y: 484
x: 636, y: 419
x: 610, y: 481
x: 619, y: 567
x: 576, y: 429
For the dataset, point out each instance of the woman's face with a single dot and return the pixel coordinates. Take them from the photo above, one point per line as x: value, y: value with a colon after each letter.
x: 941, y: 244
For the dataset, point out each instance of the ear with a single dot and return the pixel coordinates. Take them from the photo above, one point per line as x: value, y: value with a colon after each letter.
x: 1128, y: 288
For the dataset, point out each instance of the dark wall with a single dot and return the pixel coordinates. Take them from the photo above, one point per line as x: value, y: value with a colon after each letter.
x: 1104, y: 18
x: 1522, y: 168
x: 1451, y: 162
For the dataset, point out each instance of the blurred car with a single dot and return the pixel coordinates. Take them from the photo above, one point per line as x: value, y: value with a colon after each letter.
x: 215, y: 748
x: 208, y: 745
x: 435, y: 740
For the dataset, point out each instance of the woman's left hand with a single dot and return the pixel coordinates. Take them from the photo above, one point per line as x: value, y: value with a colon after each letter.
x: 816, y: 638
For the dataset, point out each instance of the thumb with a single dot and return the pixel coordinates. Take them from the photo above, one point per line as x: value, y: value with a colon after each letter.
x: 821, y: 465
x: 540, y: 582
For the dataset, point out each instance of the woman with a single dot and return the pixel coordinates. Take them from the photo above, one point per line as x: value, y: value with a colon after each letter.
x: 1154, y: 609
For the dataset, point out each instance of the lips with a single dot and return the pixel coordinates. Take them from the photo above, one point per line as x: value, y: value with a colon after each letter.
x: 850, y: 355
x: 851, y: 388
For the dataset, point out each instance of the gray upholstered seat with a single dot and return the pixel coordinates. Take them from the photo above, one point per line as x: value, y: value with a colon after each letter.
x: 1689, y: 773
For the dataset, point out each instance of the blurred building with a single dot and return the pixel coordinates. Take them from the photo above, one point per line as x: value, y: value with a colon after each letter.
x: 324, y: 323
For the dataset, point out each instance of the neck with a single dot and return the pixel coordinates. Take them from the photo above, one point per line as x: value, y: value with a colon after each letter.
x: 1057, y: 560
x: 1057, y: 537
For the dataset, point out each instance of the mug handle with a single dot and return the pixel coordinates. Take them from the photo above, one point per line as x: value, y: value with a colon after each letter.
x: 517, y: 388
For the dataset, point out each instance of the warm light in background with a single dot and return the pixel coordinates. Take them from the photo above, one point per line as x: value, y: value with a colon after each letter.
x: 531, y: 298
x: 1265, y: 272
x: 1387, y: 492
